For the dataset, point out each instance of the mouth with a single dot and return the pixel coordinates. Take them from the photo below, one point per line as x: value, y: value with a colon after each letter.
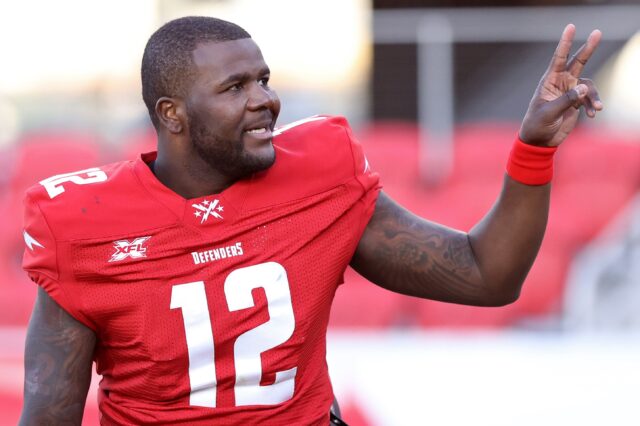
x: 257, y: 131
x: 260, y: 130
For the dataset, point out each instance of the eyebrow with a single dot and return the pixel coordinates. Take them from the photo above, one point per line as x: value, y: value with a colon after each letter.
x: 243, y: 76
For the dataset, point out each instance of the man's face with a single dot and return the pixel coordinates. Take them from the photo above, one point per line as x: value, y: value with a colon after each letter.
x: 231, y: 109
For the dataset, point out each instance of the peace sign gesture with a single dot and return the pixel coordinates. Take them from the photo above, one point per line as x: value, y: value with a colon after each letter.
x: 555, y: 106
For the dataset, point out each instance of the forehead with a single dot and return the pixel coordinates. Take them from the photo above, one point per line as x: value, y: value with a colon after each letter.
x: 217, y: 60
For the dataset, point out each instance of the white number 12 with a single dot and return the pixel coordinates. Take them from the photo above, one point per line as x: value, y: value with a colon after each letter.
x: 192, y: 299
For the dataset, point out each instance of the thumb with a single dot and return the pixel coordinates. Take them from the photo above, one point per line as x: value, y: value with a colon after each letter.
x: 570, y: 99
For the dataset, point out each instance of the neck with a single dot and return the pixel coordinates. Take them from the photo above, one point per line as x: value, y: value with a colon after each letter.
x: 187, y: 175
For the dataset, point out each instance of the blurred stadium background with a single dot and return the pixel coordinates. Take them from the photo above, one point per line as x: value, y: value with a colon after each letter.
x: 435, y: 90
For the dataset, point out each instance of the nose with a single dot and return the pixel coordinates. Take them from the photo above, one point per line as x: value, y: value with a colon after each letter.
x: 261, y: 97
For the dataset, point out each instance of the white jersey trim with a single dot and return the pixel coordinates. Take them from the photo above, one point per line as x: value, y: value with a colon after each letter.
x: 286, y: 127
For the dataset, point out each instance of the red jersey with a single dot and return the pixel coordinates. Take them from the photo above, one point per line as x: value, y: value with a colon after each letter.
x: 210, y: 310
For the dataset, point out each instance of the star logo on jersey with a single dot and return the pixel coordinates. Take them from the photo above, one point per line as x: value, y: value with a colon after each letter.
x: 134, y: 249
x: 207, y: 209
x: 30, y: 241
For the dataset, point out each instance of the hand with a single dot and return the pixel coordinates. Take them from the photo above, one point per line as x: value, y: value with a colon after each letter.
x: 554, y: 109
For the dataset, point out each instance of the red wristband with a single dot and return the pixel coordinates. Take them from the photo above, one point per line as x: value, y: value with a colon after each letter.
x: 529, y: 164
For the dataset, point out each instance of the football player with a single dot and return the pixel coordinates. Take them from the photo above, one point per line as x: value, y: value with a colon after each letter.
x: 199, y: 277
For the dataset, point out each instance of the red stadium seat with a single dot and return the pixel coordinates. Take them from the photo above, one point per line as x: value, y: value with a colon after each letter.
x: 543, y: 290
x: 40, y: 155
x: 358, y: 303
x: 481, y: 152
x: 138, y: 141
x: 591, y: 154
x: 580, y: 209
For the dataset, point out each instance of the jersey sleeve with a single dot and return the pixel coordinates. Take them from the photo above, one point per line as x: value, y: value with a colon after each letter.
x: 40, y: 259
x: 366, y: 177
x: 369, y: 179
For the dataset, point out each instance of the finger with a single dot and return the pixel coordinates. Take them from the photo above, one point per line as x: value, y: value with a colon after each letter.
x: 572, y: 98
x: 591, y: 101
x: 561, y: 54
x: 580, y: 58
x: 592, y: 94
x: 588, y: 107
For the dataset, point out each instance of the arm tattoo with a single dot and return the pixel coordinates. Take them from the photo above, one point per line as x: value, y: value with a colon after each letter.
x: 58, y: 359
x: 409, y: 255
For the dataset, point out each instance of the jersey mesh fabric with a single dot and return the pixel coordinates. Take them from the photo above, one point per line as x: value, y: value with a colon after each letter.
x: 305, y: 214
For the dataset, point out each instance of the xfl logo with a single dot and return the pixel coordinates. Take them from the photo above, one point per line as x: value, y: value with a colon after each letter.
x: 134, y: 249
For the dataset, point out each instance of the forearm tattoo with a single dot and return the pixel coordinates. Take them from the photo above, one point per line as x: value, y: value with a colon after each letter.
x: 409, y: 255
x: 58, y: 359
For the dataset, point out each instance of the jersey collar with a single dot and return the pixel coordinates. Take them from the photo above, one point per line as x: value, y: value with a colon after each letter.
x: 208, y: 210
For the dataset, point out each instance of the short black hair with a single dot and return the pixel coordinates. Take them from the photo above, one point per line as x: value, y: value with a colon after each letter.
x: 167, y: 62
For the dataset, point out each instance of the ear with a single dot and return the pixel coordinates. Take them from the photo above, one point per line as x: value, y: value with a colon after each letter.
x: 171, y: 114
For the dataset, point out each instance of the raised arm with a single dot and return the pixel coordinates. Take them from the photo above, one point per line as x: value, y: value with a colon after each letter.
x: 58, y: 357
x: 486, y: 267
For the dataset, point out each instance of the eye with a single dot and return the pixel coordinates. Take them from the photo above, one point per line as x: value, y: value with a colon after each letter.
x: 264, y: 81
x: 236, y: 87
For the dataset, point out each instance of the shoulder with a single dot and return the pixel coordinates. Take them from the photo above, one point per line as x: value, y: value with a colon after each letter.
x: 71, y: 184
x: 53, y: 213
x: 319, y: 136
x: 316, y: 154
x: 77, y: 204
x: 316, y: 124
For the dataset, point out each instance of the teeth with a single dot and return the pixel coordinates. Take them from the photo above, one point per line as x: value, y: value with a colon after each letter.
x: 260, y: 130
